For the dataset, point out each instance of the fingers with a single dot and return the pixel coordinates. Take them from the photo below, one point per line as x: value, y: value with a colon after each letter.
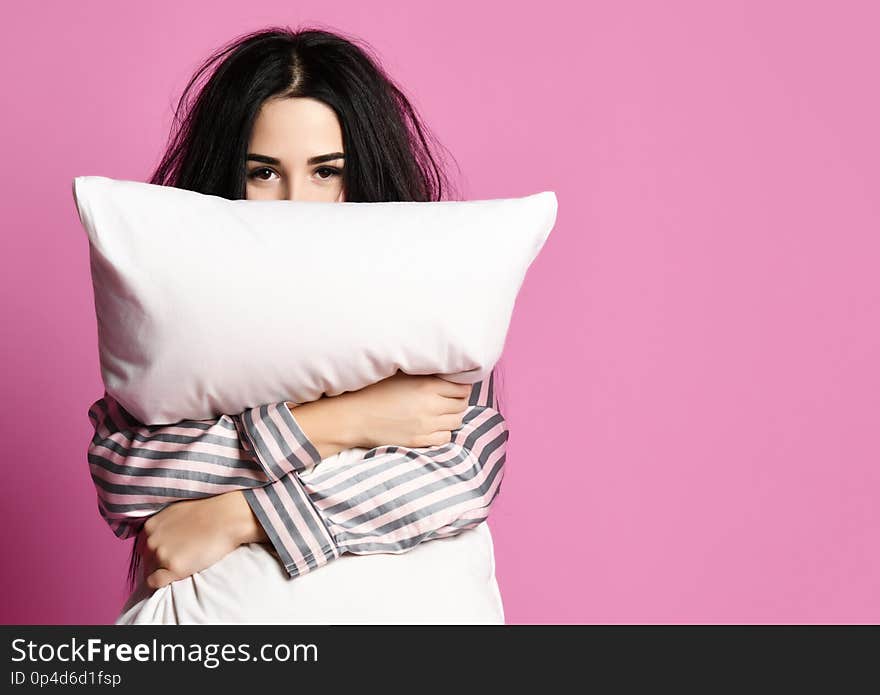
x: 452, y: 389
x: 149, y: 561
x: 449, y: 422
x: 148, y: 558
x: 439, y: 438
x: 160, y: 578
x: 448, y: 405
x: 150, y: 565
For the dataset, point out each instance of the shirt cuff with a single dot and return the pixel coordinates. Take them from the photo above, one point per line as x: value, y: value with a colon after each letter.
x: 292, y: 523
x: 278, y: 442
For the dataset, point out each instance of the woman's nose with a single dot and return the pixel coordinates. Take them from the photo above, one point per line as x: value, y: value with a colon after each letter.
x: 294, y: 190
x: 295, y: 193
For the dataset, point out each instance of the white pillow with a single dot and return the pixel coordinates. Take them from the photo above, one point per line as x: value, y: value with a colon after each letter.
x: 208, y: 306
x: 441, y: 581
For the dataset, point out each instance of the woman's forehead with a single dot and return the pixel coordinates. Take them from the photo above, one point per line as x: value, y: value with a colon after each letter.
x: 296, y: 128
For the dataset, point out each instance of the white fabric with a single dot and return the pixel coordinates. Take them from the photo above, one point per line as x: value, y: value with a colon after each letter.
x: 208, y: 306
x: 441, y: 581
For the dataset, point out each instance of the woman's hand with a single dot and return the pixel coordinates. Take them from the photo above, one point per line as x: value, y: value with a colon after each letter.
x: 403, y: 409
x: 407, y: 410
x: 191, y: 535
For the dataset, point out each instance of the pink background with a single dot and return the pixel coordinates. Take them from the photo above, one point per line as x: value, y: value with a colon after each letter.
x: 691, y: 375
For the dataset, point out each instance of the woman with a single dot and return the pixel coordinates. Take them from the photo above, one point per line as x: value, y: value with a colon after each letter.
x: 233, y: 515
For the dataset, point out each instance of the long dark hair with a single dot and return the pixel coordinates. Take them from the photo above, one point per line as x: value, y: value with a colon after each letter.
x: 390, y: 155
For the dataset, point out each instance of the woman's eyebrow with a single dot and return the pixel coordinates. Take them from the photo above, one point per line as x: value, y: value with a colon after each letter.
x: 326, y: 158
x: 262, y: 158
x: 252, y: 157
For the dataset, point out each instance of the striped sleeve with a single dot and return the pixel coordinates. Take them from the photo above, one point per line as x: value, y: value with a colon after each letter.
x: 393, y: 498
x: 483, y: 393
x: 389, y: 501
x: 138, y: 469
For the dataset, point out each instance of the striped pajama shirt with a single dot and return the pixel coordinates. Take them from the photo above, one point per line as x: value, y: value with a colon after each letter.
x: 388, y: 501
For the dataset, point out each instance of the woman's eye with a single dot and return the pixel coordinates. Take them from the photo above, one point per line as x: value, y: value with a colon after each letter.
x: 323, y: 173
x: 255, y: 173
x: 332, y: 171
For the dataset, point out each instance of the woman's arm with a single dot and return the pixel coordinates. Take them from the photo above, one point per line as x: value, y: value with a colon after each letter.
x: 390, y: 500
x: 139, y: 469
